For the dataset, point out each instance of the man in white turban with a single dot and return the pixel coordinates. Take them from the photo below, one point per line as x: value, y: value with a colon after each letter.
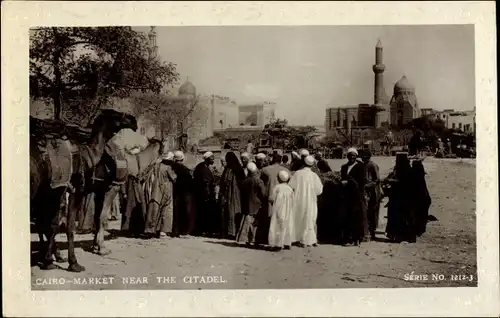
x: 205, y: 194
x: 178, y: 156
x: 353, y: 176
x: 307, y: 187
x: 281, y: 227
x: 304, y: 153
x: 184, y: 204
x: 245, y: 159
x: 260, y: 160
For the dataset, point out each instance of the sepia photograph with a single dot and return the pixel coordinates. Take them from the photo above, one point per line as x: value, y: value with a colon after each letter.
x: 239, y: 157
x: 249, y: 158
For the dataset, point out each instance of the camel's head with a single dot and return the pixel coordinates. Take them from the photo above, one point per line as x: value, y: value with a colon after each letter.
x: 110, y: 121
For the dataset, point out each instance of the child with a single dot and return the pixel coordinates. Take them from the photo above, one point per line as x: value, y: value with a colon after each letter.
x: 281, y: 229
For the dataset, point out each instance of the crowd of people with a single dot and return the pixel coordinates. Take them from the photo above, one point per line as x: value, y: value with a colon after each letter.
x: 269, y: 200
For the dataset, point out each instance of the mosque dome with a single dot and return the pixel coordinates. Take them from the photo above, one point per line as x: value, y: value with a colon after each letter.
x: 403, y: 85
x: 187, y: 89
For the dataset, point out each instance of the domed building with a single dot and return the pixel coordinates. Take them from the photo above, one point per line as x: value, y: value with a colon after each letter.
x: 404, y: 103
x: 187, y: 89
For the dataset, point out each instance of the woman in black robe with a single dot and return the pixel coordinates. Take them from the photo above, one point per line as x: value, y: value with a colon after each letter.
x: 230, y: 196
x: 355, y: 220
x: 421, y: 197
x: 328, y: 223
x: 400, y: 210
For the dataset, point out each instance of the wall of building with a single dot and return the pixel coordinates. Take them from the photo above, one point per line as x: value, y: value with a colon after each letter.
x: 257, y: 114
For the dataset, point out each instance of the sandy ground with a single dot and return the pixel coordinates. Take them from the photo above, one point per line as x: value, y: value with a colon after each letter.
x: 447, y: 249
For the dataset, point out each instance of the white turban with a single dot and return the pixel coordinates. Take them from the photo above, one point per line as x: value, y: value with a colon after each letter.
x: 168, y: 156
x: 261, y: 156
x: 283, y: 176
x: 252, y: 167
x: 135, y: 150
x: 309, y: 161
x: 245, y: 155
x: 178, y: 155
x: 295, y: 154
x: 208, y: 154
x: 352, y: 150
x: 304, y: 153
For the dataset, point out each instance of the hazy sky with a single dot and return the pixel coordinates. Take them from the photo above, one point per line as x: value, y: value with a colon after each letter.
x: 306, y: 68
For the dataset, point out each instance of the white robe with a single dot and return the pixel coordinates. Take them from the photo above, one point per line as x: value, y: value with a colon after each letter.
x: 281, y: 227
x: 307, y: 187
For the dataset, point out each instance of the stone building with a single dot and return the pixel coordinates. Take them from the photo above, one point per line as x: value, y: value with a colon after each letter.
x: 404, y: 103
x: 258, y: 114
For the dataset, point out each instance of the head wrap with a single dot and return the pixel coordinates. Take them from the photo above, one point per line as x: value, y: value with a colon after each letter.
x: 304, y: 153
x: 168, y: 156
x: 309, y: 161
x: 245, y: 155
x: 352, y: 150
x: 283, y: 176
x: 208, y: 154
x: 178, y: 155
x: 252, y: 167
x: 135, y: 150
x: 261, y: 156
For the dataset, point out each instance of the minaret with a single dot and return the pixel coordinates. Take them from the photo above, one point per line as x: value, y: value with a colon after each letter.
x: 379, y: 96
x: 153, y: 49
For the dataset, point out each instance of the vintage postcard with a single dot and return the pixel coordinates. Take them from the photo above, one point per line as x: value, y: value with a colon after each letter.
x: 249, y: 158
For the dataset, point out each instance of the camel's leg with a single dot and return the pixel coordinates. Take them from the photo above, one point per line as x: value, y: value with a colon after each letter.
x: 50, y: 223
x: 103, y: 209
x: 75, y: 200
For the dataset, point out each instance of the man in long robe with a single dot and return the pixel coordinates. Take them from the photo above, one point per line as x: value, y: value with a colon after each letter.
x: 307, y: 186
x: 184, y: 206
x: 355, y: 218
x: 373, y: 191
x: 269, y: 176
x: 253, y: 197
x: 204, y: 180
x: 281, y: 226
x: 159, y: 198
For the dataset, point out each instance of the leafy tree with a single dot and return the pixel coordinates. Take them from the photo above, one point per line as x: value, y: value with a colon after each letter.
x: 90, y: 64
x: 169, y: 114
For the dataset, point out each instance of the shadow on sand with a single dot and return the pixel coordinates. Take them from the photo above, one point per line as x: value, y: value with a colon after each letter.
x: 85, y: 245
x: 243, y: 245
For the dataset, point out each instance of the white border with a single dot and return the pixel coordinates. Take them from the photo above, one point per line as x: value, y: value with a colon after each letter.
x: 18, y: 299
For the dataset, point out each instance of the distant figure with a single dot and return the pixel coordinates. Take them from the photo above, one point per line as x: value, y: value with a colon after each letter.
x: 250, y: 147
x: 281, y: 199
x: 205, y: 192
x: 253, y: 197
x: 307, y: 187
